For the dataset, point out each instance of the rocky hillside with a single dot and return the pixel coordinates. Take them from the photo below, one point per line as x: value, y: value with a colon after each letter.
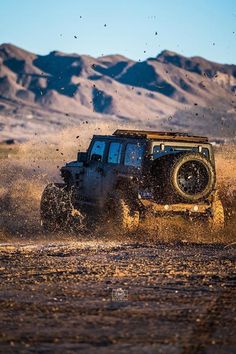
x: 44, y: 93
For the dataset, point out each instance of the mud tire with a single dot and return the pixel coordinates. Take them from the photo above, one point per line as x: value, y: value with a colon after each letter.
x: 57, y: 211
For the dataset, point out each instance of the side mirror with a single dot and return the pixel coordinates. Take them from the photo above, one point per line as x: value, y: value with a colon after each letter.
x: 82, y: 156
x: 96, y: 157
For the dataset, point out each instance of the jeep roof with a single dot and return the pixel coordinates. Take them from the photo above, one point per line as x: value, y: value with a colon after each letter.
x: 153, y: 135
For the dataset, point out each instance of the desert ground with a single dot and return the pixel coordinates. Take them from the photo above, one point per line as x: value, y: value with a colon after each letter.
x: 166, y: 289
x: 117, y: 297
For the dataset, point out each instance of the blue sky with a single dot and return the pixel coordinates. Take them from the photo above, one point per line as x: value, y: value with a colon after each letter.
x: 190, y: 27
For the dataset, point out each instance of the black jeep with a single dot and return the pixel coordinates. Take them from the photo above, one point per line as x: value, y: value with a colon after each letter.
x: 126, y: 175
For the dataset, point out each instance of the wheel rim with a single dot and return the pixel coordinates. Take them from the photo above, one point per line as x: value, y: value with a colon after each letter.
x: 193, y: 177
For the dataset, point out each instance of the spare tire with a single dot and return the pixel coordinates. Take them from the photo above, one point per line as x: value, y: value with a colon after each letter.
x: 191, y: 177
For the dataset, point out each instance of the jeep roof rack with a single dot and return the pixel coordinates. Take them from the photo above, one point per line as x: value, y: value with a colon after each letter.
x: 174, y: 136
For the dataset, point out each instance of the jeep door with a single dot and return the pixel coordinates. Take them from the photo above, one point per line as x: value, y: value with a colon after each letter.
x: 94, y: 171
x: 124, y: 160
x: 112, y: 166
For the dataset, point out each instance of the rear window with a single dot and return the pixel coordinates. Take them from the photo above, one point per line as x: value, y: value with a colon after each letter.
x: 133, y: 155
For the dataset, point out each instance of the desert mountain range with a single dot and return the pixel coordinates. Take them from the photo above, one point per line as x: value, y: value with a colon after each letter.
x: 41, y: 93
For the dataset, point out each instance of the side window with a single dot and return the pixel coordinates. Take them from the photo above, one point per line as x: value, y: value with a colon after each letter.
x: 114, y: 154
x: 133, y: 155
x: 98, y: 149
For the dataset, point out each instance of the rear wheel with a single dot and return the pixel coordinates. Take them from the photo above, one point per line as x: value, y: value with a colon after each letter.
x: 57, y: 211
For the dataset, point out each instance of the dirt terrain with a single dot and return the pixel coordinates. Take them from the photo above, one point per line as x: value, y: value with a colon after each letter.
x: 63, y: 297
x: 166, y: 289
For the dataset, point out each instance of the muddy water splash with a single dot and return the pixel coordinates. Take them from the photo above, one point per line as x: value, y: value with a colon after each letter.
x: 25, y: 175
